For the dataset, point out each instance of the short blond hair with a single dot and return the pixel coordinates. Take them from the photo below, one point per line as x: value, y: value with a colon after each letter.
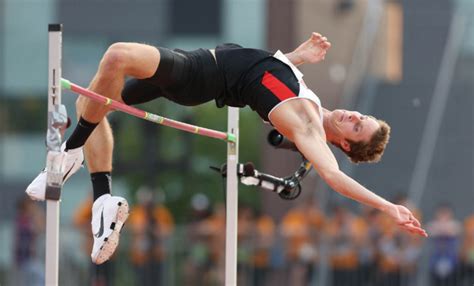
x: 371, y: 151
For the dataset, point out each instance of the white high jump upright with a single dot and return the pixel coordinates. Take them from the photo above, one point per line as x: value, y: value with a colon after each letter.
x: 57, y: 121
x: 232, y: 199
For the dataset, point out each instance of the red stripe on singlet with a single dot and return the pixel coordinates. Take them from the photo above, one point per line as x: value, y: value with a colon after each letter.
x: 278, y: 88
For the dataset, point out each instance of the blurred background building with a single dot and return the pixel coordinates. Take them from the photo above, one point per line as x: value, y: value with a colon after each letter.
x: 408, y: 62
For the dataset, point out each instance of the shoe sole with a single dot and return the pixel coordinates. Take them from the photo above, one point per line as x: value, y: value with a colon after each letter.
x: 112, y: 241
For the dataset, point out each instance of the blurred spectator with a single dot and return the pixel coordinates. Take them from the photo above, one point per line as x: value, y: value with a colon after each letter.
x: 100, y: 275
x: 301, y: 228
x: 389, y: 251
x: 151, y: 224
x: 398, y: 251
x: 29, y: 224
x: 343, y: 232
x: 366, y: 240
x: 197, y: 264
x: 216, y: 227
x: 445, y: 233
x: 410, y: 248
x: 398, y: 256
x: 263, y: 242
x: 245, y: 235
x: 467, y: 252
x: 410, y: 252
x: 208, y: 252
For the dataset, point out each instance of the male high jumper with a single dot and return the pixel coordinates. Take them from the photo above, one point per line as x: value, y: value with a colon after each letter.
x: 234, y: 76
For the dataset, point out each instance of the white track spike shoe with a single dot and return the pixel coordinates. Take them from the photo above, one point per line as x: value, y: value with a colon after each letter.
x: 72, y: 162
x: 108, y: 216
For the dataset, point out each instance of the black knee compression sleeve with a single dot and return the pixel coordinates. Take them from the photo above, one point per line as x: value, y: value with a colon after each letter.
x: 138, y: 91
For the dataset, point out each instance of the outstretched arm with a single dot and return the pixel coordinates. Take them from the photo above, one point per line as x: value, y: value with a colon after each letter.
x: 312, y: 50
x: 303, y: 126
x: 315, y: 149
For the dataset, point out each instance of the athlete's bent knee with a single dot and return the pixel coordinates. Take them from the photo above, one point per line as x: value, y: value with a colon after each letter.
x: 115, y: 58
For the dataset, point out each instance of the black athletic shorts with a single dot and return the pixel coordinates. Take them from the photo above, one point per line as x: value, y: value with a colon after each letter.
x: 241, y: 77
x: 187, y: 78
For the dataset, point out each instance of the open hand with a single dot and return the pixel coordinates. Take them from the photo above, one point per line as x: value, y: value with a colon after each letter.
x: 313, y: 50
x: 406, y: 220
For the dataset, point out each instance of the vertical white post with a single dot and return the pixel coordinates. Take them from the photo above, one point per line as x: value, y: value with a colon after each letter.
x: 53, y: 142
x: 232, y: 199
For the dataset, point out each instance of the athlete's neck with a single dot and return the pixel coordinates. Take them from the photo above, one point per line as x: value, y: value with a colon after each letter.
x: 326, y: 125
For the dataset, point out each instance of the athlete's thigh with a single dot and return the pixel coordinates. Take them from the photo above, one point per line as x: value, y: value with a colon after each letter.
x: 137, y: 91
x: 171, y: 71
x: 138, y: 60
x: 187, y: 77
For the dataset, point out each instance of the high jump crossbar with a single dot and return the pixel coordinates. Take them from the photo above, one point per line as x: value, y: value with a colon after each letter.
x: 54, y: 100
x: 147, y: 115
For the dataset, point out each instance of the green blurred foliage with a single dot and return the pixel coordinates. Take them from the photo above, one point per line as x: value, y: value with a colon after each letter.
x: 23, y: 114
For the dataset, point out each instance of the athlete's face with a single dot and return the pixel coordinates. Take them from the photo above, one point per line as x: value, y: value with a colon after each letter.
x: 351, y: 125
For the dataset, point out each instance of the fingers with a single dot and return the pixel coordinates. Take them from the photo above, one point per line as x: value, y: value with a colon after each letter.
x: 326, y: 45
x: 415, y: 221
x: 422, y: 232
x: 315, y: 36
x: 324, y: 48
x: 412, y: 228
x: 416, y: 230
x: 321, y: 41
x: 412, y: 219
x: 314, y: 50
x: 318, y: 38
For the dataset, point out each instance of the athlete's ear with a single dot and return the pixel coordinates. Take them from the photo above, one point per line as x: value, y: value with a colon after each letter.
x: 345, y: 145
